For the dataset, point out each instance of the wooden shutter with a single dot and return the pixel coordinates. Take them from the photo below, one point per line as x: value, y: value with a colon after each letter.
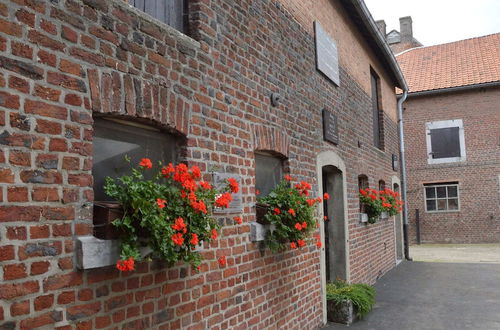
x: 445, y: 142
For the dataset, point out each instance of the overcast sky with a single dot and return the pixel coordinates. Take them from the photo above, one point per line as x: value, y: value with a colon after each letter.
x: 440, y: 21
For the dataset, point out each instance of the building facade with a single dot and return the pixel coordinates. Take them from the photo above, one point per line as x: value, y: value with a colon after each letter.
x: 75, y: 72
x: 452, y: 130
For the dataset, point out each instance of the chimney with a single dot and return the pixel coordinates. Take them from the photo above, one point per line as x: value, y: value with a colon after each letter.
x: 382, y: 27
x: 406, y: 29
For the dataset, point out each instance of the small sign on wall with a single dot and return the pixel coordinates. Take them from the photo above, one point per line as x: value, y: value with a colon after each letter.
x: 220, y: 181
x: 395, y: 162
x: 327, y: 58
x: 330, y: 127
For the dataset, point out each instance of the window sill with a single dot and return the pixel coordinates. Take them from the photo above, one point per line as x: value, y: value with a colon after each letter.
x: 432, y: 161
x: 440, y: 212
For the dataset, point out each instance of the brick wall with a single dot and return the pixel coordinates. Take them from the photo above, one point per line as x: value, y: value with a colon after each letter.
x: 478, y: 220
x: 64, y: 62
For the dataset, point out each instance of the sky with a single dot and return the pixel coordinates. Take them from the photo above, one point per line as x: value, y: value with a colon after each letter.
x: 440, y: 21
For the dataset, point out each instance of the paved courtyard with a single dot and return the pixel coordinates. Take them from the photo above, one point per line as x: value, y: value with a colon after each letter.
x: 475, y: 253
x: 432, y: 295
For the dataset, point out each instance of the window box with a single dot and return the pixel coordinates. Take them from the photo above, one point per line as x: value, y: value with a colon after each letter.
x: 384, y: 215
x: 363, y: 217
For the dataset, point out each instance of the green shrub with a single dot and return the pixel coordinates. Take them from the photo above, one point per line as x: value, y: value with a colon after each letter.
x: 361, y: 295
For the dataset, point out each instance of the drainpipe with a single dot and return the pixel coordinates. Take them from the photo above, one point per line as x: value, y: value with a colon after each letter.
x: 401, y: 99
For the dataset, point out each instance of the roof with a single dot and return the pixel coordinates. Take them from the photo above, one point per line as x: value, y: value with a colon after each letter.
x: 364, y: 21
x: 461, y: 63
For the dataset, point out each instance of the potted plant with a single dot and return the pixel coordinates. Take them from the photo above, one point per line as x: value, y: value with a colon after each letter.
x: 371, y: 204
x: 290, y: 213
x: 170, y: 214
x: 346, y: 302
x: 390, y: 202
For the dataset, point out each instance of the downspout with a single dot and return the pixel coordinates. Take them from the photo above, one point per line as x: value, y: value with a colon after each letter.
x: 401, y: 99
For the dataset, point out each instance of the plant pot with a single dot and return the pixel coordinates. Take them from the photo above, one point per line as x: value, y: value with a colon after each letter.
x: 342, y: 312
x: 363, y: 217
x: 104, y: 214
x: 260, y: 213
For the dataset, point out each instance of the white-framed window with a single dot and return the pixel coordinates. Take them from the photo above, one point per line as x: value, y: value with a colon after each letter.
x: 442, y: 197
x: 445, y: 141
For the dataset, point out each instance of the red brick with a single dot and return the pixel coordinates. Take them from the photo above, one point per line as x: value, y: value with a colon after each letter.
x: 45, y: 41
x: 17, y: 233
x: 47, y: 161
x: 21, y: 50
x: 7, y: 252
x: 45, y: 109
x: 43, y: 320
x: 39, y: 267
x: 19, y: 84
x: 57, y: 282
x: 47, y: 93
x: 47, y: 26
x: 85, y: 295
x: 83, y: 311
x: 17, y: 194
x: 19, y: 158
x: 43, y: 302
x: 70, y: 67
x: 20, y: 308
x: 6, y: 175
x: 10, y: 101
x: 42, y: 194
x: 26, y: 17
x: 69, y: 34
x: 102, y: 322
x: 58, y: 144
x: 11, y: 28
x: 9, y: 291
x: 47, y: 177
x: 66, y: 297
x: 73, y: 99
x: 14, y: 271
x: 48, y: 127
x: 48, y: 58
x: 19, y: 213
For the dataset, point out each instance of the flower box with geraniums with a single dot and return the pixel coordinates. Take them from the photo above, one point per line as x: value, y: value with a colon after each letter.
x: 290, y: 213
x: 347, y: 302
x: 374, y: 203
x: 170, y: 214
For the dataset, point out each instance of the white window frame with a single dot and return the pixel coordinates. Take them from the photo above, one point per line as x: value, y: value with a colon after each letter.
x: 445, y: 124
x: 436, y: 198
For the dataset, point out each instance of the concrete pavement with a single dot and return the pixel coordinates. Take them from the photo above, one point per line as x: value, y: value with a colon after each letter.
x: 420, y: 295
x: 475, y: 253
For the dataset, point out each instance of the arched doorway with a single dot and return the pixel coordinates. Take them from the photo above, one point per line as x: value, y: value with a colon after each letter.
x: 334, y: 264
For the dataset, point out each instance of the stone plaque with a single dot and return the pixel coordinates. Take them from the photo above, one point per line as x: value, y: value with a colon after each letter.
x: 330, y: 127
x: 327, y: 59
x: 236, y: 205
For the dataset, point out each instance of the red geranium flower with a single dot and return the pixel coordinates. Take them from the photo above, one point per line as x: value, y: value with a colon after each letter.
x: 205, y: 185
x: 146, y: 163
x: 179, y: 224
x: 292, y: 212
x: 178, y: 239
x: 277, y: 211
x: 222, y: 261
x: 194, y: 239
x: 257, y: 192
x: 195, y: 171
x: 293, y: 245
x: 298, y: 226
x: 326, y: 196
x: 288, y: 178
x: 199, y: 206
x: 373, y: 197
x: 160, y: 202
x: 167, y: 170
x: 304, y: 225
x: 311, y: 202
x: 224, y: 200
x: 233, y: 184
x: 301, y: 242
x: 214, y: 234
x: 238, y: 220
x: 125, y: 265
x: 325, y: 218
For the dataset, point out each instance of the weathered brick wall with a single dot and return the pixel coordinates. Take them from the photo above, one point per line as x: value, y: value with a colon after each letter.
x: 479, y: 218
x: 64, y: 62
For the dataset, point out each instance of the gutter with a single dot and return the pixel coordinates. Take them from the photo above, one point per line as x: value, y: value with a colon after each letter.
x: 454, y: 89
x: 401, y: 99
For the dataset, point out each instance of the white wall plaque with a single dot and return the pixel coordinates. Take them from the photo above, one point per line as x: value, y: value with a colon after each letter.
x: 327, y: 59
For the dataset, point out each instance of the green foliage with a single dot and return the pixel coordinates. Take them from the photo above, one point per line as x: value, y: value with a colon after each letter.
x: 145, y: 223
x: 280, y: 201
x: 375, y: 202
x: 361, y: 295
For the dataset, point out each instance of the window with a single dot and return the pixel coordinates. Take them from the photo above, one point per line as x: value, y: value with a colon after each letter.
x: 381, y: 185
x: 268, y: 172
x: 442, y: 197
x: 362, y: 184
x: 113, y: 140
x: 378, y: 119
x: 445, y: 141
x: 170, y: 12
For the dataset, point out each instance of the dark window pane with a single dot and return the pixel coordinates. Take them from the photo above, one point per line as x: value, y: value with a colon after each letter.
x: 441, y: 204
x: 171, y: 12
x: 453, y: 204
x: 375, y: 111
x: 445, y: 142
x: 441, y: 192
x: 268, y: 173
x: 430, y: 192
x: 362, y: 181
x: 113, y: 141
x: 452, y: 191
x: 431, y: 205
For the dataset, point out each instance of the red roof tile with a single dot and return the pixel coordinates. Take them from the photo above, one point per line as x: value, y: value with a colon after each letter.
x: 460, y: 63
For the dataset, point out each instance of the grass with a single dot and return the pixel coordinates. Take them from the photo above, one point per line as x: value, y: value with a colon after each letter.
x: 361, y: 295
